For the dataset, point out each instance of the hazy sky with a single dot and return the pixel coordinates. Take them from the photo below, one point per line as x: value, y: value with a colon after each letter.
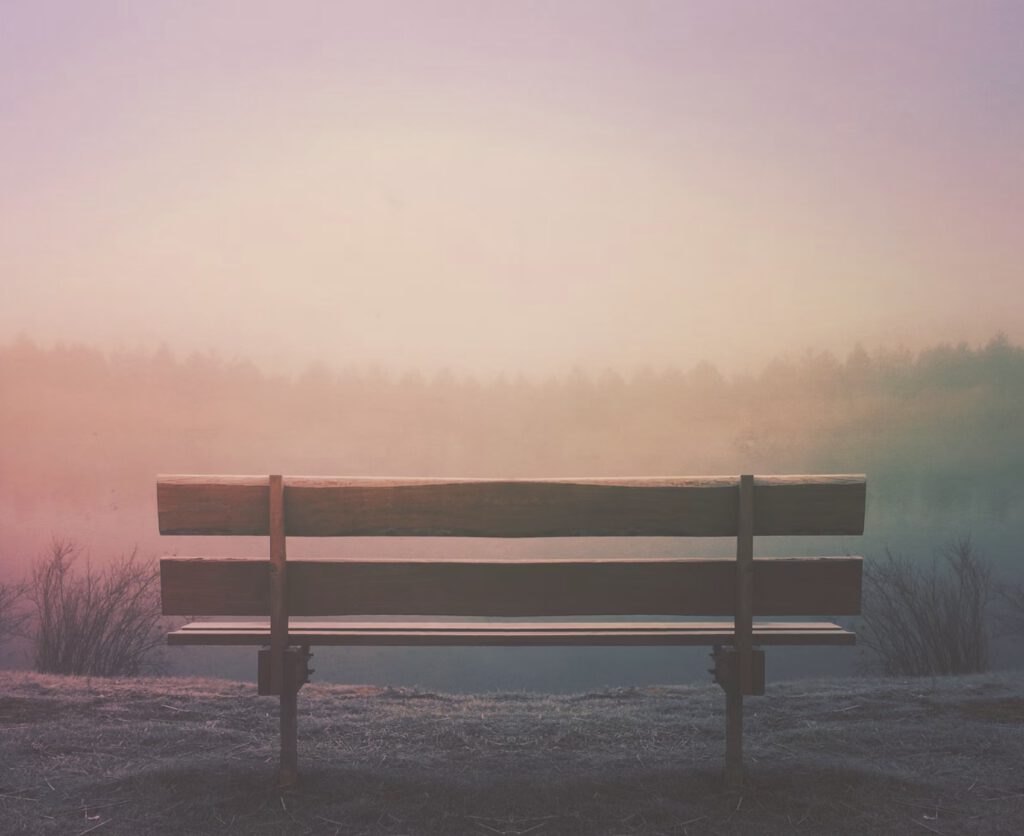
x: 511, y: 185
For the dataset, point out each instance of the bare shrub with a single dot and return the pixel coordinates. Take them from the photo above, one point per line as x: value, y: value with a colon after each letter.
x: 930, y: 619
x: 94, y: 622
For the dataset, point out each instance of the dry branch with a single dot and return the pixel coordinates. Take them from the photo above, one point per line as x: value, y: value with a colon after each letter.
x: 94, y: 622
x: 931, y: 619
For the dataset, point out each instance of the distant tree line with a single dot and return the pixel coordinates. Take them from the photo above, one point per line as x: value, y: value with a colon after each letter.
x: 937, y: 428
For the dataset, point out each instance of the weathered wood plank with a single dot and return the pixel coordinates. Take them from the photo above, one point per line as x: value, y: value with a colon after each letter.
x: 672, y: 507
x: 687, y: 586
x: 500, y: 625
x: 511, y: 634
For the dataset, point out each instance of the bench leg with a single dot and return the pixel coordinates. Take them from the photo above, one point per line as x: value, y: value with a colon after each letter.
x: 289, y: 773
x: 734, y: 736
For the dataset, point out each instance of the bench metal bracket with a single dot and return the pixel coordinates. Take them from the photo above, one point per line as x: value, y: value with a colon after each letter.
x: 726, y: 671
x: 296, y: 670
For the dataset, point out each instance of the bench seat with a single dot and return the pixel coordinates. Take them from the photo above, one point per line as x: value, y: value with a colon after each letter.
x: 510, y: 634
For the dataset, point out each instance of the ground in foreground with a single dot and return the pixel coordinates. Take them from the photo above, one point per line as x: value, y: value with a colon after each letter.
x: 189, y: 756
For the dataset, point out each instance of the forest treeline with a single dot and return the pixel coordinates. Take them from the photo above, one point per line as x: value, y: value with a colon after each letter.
x: 937, y: 430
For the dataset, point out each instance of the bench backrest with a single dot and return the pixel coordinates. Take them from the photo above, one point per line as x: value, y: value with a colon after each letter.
x: 677, y: 507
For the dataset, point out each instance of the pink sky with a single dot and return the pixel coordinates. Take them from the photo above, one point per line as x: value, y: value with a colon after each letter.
x: 518, y: 186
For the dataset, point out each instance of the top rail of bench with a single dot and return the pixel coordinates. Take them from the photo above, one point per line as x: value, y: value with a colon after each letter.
x: 657, y: 507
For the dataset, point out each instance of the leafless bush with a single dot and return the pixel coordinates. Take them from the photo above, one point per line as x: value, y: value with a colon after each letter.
x: 930, y: 619
x: 94, y: 622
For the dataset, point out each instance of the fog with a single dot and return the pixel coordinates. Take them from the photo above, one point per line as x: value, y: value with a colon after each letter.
x: 575, y: 238
x: 511, y: 187
x: 940, y: 435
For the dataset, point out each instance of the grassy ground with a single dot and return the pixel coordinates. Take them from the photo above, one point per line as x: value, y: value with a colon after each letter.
x: 183, y: 756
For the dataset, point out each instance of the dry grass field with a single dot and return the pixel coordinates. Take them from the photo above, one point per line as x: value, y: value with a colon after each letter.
x: 190, y: 756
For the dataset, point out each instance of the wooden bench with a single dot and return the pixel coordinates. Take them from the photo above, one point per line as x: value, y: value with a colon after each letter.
x: 534, y: 589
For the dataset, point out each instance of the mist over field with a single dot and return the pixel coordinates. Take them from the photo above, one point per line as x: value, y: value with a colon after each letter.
x: 939, y: 433
x: 573, y: 238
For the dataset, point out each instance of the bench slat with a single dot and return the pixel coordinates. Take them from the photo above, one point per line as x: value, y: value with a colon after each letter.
x: 669, y: 507
x: 677, y: 586
x: 510, y: 634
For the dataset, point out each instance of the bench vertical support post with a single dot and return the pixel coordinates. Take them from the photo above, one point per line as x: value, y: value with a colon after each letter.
x: 742, y: 682
x: 282, y: 682
x: 745, y: 583
x: 278, y: 602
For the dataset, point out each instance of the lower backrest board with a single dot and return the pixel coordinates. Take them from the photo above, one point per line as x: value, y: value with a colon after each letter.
x: 669, y: 587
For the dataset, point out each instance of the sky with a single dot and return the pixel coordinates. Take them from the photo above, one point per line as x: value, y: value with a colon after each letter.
x: 513, y: 186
